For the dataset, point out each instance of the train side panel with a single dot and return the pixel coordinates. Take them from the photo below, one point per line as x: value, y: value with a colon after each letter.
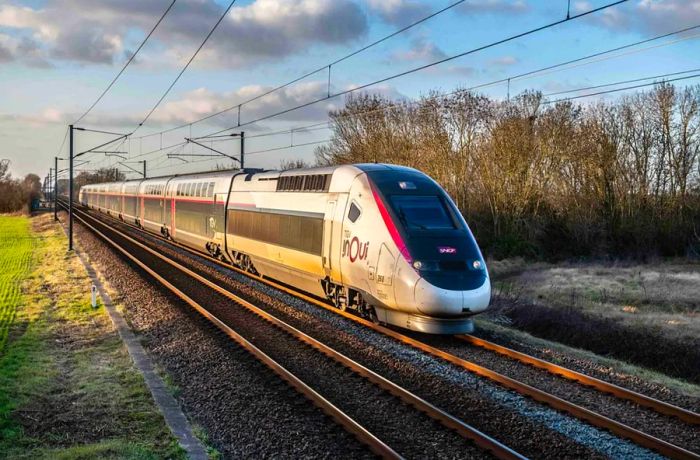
x: 280, y: 231
x: 152, y: 202
x: 196, y: 211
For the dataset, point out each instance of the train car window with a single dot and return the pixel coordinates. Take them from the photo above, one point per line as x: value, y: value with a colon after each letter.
x: 422, y: 212
x: 211, y: 189
x: 354, y: 213
x: 199, y: 189
x: 205, y: 189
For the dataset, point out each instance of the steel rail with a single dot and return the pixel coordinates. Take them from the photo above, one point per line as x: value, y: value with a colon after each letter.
x: 375, y: 444
x: 479, y: 438
x: 654, y: 404
x: 601, y: 421
x: 601, y: 385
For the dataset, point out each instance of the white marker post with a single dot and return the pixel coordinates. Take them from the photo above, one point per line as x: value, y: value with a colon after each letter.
x: 94, y: 296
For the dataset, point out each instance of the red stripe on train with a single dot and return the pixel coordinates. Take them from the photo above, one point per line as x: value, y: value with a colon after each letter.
x: 393, y: 231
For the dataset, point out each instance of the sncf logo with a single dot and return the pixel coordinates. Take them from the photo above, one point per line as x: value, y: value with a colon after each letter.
x: 354, y: 249
x: 447, y: 250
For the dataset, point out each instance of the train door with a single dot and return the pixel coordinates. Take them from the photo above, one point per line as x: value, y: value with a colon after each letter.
x: 216, y: 223
x: 167, y: 209
x: 328, y: 218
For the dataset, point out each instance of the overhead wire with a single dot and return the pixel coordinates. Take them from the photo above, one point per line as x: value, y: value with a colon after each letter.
x: 313, y: 72
x: 167, y: 91
x: 655, y: 77
x: 624, y: 82
x: 615, y: 90
x: 131, y: 58
x: 529, y: 74
x: 537, y: 72
x: 329, y: 96
x: 422, y: 67
x: 518, y: 76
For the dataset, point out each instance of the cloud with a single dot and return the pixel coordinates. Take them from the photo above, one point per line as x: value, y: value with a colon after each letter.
x: 504, y: 61
x: 399, y: 12
x: 21, y: 49
x: 646, y: 16
x: 86, y: 31
x: 421, y: 50
x: 87, y: 45
x: 494, y: 7
x: 201, y: 102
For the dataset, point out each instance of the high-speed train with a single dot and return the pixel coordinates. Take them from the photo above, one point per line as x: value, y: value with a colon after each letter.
x: 384, y: 240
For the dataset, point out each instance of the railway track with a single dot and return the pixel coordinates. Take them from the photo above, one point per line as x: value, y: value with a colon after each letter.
x: 462, y: 431
x: 589, y: 416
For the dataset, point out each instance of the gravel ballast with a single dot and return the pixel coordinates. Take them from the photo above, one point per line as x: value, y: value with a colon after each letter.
x: 528, y: 427
x: 244, y: 408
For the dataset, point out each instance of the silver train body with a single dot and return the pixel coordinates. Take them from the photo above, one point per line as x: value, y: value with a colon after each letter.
x: 384, y: 240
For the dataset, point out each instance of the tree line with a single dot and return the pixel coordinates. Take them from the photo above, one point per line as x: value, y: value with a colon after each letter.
x: 17, y: 194
x: 543, y: 179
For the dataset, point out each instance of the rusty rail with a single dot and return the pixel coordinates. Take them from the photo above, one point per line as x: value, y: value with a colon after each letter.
x: 601, y: 421
x: 601, y: 385
x: 467, y: 431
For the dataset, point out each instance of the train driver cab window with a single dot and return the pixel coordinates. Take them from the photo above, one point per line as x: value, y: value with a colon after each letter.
x: 422, y: 212
x: 354, y: 212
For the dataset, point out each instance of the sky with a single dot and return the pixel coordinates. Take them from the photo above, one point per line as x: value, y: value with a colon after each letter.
x: 57, y: 56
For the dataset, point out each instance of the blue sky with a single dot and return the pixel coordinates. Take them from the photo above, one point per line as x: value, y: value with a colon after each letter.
x: 56, y: 56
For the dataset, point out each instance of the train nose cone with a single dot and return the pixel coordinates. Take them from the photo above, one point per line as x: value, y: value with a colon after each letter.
x: 433, y: 301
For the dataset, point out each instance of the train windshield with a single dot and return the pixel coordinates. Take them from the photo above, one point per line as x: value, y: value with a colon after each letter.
x: 422, y: 212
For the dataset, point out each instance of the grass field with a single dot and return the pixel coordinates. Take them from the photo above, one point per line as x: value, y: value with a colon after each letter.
x: 68, y: 388
x: 16, y: 244
x: 648, y: 314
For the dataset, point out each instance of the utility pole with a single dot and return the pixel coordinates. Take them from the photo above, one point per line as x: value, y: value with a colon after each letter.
x: 55, y: 190
x: 47, y: 196
x: 144, y: 169
x: 70, y: 189
x: 242, y: 149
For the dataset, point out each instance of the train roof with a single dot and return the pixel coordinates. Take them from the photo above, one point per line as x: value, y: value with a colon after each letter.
x: 352, y: 169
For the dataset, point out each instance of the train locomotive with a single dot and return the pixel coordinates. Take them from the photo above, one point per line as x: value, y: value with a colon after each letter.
x: 383, y: 240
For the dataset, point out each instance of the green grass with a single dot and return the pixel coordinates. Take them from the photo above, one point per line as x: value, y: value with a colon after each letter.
x: 68, y: 388
x: 16, y: 243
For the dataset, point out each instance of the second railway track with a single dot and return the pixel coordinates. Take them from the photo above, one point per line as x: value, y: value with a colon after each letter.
x: 618, y: 428
x: 393, y: 421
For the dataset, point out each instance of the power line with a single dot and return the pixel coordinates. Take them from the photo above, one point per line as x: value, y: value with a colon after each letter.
x: 529, y: 74
x: 186, y: 66
x: 423, y: 67
x: 382, y: 80
x: 313, y: 72
x: 60, y: 149
x: 624, y: 82
x: 618, y: 89
x: 539, y: 71
x: 114, y: 80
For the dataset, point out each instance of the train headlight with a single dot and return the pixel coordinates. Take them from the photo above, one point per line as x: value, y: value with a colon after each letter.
x: 477, y: 265
x: 426, y: 265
